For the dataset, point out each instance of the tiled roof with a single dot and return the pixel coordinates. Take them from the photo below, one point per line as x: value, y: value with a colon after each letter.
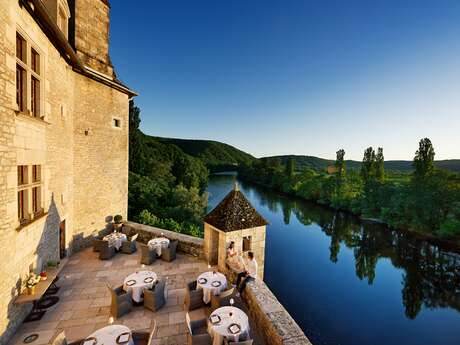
x: 233, y: 213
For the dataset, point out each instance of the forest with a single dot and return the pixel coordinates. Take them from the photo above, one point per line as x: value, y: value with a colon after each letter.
x: 427, y: 200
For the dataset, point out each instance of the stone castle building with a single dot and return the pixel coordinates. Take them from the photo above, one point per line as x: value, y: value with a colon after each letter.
x: 63, y: 138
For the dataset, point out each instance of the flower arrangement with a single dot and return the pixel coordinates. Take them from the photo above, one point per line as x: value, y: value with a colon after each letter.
x: 32, y: 281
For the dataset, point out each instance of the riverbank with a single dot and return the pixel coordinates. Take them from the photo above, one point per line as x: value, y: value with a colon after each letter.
x: 449, y: 244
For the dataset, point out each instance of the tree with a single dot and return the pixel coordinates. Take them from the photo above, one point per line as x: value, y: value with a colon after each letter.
x: 340, y: 164
x: 368, y: 168
x: 290, y: 167
x: 380, y: 165
x: 424, y: 159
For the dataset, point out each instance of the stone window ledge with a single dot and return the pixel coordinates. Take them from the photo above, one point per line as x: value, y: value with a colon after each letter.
x: 29, y: 223
x: 29, y: 117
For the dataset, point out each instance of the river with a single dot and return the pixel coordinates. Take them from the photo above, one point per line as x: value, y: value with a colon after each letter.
x: 352, y: 283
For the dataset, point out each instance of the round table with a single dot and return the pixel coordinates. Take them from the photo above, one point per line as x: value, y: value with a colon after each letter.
x: 115, y: 239
x: 213, y: 283
x: 136, y: 282
x: 157, y: 243
x: 220, y: 330
x: 108, y: 335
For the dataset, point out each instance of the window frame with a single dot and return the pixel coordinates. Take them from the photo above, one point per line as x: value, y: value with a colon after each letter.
x: 30, y: 193
x: 30, y: 95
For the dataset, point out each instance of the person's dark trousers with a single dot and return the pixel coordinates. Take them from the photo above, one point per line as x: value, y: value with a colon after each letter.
x: 246, y: 280
x: 241, y: 275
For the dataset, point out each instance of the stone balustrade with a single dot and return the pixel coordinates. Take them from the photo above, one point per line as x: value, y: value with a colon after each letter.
x: 275, y: 323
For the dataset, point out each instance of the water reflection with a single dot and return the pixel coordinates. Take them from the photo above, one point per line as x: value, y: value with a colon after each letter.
x: 429, y: 278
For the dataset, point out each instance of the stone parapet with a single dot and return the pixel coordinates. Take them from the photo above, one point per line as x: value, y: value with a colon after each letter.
x: 187, y: 244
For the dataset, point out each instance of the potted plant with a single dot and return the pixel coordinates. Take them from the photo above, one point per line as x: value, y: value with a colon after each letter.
x: 117, y: 221
x: 31, y: 282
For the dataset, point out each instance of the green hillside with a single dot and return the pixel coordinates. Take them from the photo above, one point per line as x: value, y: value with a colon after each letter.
x: 215, y: 155
x: 315, y: 163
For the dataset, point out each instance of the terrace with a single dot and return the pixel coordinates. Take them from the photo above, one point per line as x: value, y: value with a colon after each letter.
x: 84, y: 304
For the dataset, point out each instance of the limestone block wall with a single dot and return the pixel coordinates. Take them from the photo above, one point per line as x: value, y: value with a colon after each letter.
x: 100, y: 158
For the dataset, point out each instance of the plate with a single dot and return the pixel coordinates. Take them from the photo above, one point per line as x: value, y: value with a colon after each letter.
x: 216, y: 283
x: 123, y: 338
x: 164, y: 242
x: 234, y: 328
x: 131, y: 282
x: 30, y: 338
x: 215, y: 319
x: 148, y: 280
x: 202, y: 280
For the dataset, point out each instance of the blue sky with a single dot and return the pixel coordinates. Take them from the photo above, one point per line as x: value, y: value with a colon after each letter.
x: 295, y: 76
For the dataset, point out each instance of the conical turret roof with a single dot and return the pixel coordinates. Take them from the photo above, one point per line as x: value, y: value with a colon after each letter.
x: 234, y: 212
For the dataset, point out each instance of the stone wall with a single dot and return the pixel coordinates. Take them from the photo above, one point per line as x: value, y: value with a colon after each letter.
x: 187, y: 244
x: 85, y: 177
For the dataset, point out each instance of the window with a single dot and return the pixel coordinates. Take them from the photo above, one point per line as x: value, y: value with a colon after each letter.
x: 117, y: 123
x: 247, y: 243
x: 30, y: 204
x: 63, y: 18
x: 28, y: 72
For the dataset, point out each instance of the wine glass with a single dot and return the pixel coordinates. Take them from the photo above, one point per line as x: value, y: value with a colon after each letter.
x: 143, y: 266
x: 110, y: 320
x: 232, y: 301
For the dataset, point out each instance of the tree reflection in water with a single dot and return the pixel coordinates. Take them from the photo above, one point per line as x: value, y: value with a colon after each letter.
x: 431, y: 275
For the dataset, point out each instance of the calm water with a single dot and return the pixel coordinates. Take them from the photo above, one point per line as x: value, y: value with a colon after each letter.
x: 349, y: 283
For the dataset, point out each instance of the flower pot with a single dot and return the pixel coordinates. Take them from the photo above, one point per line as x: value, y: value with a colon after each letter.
x: 31, y: 290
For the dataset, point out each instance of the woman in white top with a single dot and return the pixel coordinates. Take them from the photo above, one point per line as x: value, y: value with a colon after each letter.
x: 232, y: 257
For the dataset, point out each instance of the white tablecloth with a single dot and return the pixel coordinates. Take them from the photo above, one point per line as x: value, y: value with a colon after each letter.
x: 108, y: 335
x: 157, y: 243
x: 220, y: 331
x: 115, y: 239
x: 208, y: 287
x: 138, y: 287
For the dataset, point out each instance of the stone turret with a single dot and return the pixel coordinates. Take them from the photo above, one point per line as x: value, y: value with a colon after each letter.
x: 90, y: 34
x: 234, y: 219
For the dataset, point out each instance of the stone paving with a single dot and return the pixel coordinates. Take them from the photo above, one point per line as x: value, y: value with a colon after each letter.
x: 84, y: 304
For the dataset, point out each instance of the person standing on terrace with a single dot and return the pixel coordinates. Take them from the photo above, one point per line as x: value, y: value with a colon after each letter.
x: 249, y: 273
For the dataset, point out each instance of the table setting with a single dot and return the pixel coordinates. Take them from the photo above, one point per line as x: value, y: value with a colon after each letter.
x: 158, y: 243
x: 211, y: 282
x: 110, y: 335
x: 229, y: 323
x: 115, y: 239
x: 139, y: 281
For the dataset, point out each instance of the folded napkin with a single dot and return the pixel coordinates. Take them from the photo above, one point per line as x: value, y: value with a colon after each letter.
x: 202, y: 280
x: 148, y: 280
x: 216, y: 283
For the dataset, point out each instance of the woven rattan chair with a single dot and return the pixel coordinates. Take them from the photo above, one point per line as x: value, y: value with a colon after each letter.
x: 148, y: 256
x: 155, y: 299
x: 129, y: 247
x: 193, y: 297
x: 121, y: 301
x: 106, y: 252
x: 223, y: 299
x: 169, y: 254
x: 198, y: 330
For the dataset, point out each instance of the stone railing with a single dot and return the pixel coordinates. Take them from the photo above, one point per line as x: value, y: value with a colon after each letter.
x: 187, y: 244
x: 274, y: 322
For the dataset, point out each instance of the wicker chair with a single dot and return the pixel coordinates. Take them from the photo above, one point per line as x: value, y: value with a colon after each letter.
x: 193, y: 297
x: 148, y: 256
x: 144, y: 338
x: 121, y: 301
x: 154, y: 299
x: 126, y: 229
x: 223, y: 299
x: 129, y: 247
x: 106, y: 252
x: 198, y: 330
x: 98, y: 243
x: 60, y: 339
x: 169, y: 254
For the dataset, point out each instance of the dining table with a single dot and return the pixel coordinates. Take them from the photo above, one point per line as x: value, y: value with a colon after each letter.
x: 115, y: 239
x: 139, y: 281
x: 229, y: 323
x: 157, y: 244
x: 211, y: 282
x: 110, y: 335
